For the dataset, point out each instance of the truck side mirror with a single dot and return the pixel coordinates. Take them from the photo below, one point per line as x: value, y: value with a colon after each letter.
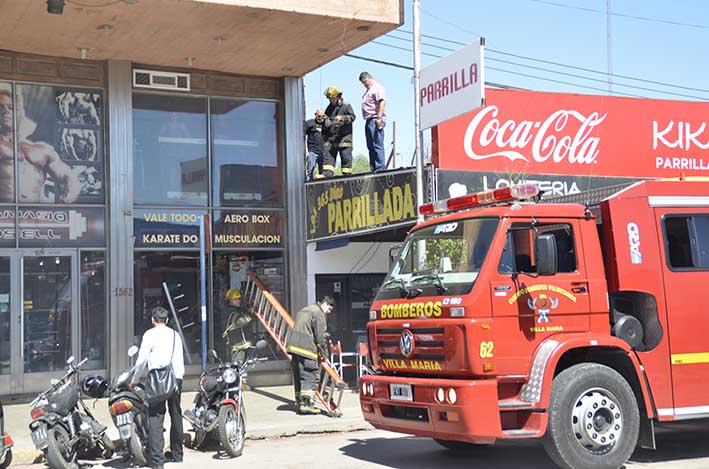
x: 394, y: 253
x: 545, y: 254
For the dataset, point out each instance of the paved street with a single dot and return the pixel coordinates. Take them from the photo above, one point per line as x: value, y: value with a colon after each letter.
x: 373, y: 448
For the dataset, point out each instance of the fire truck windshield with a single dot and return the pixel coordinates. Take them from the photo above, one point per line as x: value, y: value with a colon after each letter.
x: 441, y: 259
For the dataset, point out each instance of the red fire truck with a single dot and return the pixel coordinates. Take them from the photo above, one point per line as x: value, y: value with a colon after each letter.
x: 503, y: 318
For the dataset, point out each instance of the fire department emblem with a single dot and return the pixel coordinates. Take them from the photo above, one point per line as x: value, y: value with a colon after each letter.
x: 406, y: 343
x: 543, y: 306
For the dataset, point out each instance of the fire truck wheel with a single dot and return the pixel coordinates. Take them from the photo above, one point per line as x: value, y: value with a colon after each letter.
x: 593, y: 418
x: 460, y: 446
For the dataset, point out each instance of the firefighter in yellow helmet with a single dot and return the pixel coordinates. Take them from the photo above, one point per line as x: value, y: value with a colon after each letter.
x: 239, y: 330
x: 337, y: 133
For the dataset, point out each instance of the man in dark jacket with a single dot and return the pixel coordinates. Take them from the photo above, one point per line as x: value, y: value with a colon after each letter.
x: 337, y: 132
x: 307, y: 339
x: 316, y: 146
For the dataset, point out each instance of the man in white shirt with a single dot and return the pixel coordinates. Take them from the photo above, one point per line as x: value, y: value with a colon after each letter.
x: 161, y: 346
x: 374, y: 114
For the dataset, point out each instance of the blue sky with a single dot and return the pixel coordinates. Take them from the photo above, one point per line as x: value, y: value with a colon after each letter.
x: 668, y: 46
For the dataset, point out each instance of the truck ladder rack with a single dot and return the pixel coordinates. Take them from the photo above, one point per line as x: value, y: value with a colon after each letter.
x: 279, y: 324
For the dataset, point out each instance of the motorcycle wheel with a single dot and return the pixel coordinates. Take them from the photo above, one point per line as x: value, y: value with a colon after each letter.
x: 59, y: 454
x: 232, y: 431
x: 6, y: 460
x: 137, y: 448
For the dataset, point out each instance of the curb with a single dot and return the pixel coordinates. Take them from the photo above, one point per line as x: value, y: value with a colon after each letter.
x: 26, y: 457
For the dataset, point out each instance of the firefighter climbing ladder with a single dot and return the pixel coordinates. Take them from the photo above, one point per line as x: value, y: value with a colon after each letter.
x: 279, y: 324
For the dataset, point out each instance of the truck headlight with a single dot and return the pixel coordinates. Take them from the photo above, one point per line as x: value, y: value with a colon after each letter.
x: 440, y: 395
x: 452, y: 396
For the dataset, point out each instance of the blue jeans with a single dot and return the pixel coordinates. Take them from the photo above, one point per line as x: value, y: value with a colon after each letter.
x: 375, y: 145
x: 310, y: 165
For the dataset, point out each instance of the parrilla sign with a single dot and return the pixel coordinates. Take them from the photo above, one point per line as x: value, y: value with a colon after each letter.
x: 525, y: 132
x: 343, y: 207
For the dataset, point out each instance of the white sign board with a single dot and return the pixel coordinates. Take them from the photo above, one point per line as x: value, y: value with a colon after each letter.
x: 453, y: 85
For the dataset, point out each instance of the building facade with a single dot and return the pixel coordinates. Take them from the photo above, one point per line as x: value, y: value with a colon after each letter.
x: 123, y: 126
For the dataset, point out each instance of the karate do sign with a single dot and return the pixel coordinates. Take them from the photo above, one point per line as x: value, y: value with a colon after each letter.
x: 453, y: 85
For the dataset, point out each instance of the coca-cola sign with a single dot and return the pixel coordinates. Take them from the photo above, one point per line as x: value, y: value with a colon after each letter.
x: 524, y: 132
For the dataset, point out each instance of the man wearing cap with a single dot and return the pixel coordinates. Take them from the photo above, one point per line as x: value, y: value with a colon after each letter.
x: 337, y: 132
x: 374, y: 115
x: 306, y: 341
x: 239, y: 329
x: 161, y: 346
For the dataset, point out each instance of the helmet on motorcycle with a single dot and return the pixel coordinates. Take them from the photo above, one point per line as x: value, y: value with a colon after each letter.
x: 233, y: 294
x: 94, y: 386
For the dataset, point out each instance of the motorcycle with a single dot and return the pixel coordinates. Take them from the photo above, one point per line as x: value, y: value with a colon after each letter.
x: 6, y: 442
x: 62, y: 425
x: 219, y: 403
x: 128, y: 407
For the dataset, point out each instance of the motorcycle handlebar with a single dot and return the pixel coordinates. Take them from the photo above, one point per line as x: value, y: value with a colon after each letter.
x: 72, y: 370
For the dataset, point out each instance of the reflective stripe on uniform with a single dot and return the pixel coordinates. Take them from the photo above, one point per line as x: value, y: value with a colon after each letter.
x: 328, y: 167
x: 346, y: 170
x: 303, y: 352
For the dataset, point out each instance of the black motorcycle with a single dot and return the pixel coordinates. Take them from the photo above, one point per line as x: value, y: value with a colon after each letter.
x: 129, y: 410
x: 62, y: 425
x: 5, y: 442
x: 219, y: 403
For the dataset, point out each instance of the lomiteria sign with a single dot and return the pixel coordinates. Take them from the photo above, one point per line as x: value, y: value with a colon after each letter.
x: 350, y: 206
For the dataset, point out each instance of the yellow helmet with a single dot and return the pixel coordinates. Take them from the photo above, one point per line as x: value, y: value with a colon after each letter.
x: 233, y: 294
x: 332, y: 91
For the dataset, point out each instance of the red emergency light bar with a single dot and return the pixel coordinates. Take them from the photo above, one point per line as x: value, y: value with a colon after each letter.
x: 479, y: 199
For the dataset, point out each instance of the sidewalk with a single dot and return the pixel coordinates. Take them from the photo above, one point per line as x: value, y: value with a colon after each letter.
x: 269, y: 414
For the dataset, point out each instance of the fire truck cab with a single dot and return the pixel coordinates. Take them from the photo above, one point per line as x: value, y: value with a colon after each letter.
x: 503, y: 318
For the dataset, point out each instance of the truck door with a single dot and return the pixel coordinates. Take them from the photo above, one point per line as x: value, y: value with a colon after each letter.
x: 686, y: 275
x: 527, y: 307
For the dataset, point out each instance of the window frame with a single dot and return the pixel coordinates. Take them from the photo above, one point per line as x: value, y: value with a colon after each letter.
x: 693, y: 241
x: 509, y: 240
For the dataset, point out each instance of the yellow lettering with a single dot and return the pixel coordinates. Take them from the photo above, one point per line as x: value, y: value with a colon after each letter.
x: 397, y: 203
x: 330, y: 218
x: 347, y: 214
x: 354, y: 223
x: 387, y: 213
x: 408, y: 203
x: 429, y: 309
x: 437, y: 308
x: 419, y: 309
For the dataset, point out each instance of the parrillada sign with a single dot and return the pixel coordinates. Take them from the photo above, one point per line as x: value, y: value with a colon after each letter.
x: 360, y: 204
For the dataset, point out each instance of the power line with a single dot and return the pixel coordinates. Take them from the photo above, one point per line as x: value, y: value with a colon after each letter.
x: 551, y: 62
x: 563, y: 82
x: 573, y: 75
x: 622, y: 15
x: 377, y: 61
x: 449, y: 23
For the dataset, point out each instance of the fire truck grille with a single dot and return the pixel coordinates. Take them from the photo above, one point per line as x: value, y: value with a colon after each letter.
x: 428, y: 343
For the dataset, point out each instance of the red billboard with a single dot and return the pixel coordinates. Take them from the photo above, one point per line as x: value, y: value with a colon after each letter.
x: 529, y: 132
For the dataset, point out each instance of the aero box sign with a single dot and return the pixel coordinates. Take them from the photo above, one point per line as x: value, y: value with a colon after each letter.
x: 453, y: 85
x: 527, y: 132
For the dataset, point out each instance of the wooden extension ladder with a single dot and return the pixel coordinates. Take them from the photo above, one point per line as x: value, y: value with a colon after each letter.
x: 279, y: 324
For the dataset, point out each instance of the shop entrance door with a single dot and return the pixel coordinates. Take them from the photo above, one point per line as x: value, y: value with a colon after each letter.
x: 38, y: 318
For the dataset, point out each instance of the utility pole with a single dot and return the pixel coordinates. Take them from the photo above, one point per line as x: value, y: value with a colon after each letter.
x: 417, y: 105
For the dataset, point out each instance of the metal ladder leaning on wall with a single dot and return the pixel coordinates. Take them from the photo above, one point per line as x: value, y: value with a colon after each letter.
x: 279, y: 323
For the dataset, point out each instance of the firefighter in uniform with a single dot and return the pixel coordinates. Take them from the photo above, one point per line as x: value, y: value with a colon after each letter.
x: 337, y: 133
x: 307, y: 339
x: 239, y: 329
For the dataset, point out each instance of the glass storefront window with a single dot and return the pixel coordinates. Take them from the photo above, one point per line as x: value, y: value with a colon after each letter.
x: 47, y: 309
x: 5, y: 296
x: 7, y: 144
x: 169, y: 150
x: 245, y: 158
x: 180, y: 270
x: 93, y: 309
x: 60, y: 143
x: 230, y: 272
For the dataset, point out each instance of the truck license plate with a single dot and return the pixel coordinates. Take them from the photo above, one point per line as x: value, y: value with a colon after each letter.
x: 401, y: 392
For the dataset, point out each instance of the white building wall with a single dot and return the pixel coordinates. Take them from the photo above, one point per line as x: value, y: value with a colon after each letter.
x: 355, y: 258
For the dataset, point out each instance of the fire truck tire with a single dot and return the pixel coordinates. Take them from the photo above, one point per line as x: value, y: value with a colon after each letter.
x: 594, y: 419
x: 462, y: 447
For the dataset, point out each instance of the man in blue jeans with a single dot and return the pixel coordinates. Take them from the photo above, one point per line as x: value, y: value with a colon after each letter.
x: 374, y: 113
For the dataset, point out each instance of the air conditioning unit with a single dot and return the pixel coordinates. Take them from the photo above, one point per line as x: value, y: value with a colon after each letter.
x: 161, y: 80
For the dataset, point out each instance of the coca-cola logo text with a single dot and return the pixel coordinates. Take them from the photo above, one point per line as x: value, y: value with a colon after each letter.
x: 564, y: 135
